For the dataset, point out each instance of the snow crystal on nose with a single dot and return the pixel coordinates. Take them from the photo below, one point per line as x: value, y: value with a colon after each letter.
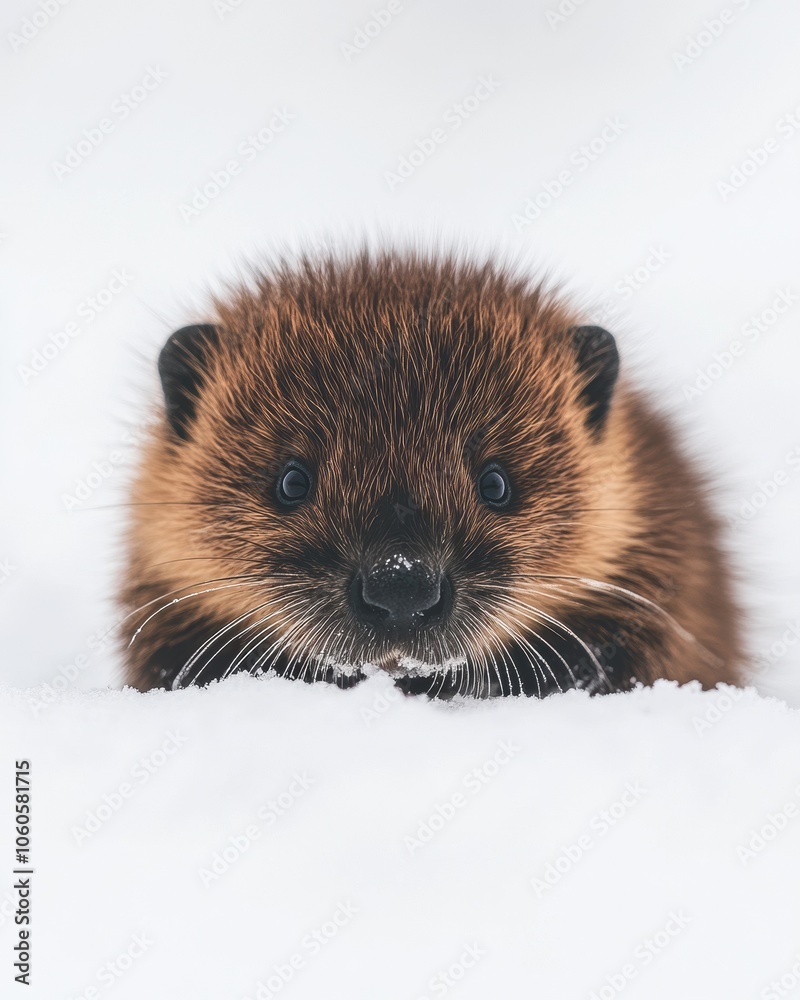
x: 399, y: 561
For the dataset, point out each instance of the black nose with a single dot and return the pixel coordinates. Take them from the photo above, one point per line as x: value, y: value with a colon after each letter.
x: 400, y: 593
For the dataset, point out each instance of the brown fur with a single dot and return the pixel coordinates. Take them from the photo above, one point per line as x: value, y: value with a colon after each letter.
x: 397, y: 377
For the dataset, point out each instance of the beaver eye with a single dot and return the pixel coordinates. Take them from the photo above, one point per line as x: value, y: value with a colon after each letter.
x: 494, y: 487
x: 294, y: 484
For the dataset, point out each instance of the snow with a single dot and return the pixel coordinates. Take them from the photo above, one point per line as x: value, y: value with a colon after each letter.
x: 226, y: 826
x: 677, y: 104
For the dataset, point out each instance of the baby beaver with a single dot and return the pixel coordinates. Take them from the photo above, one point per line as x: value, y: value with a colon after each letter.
x: 423, y: 466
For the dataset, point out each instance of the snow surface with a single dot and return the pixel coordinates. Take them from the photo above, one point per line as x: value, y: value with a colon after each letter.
x: 656, y: 795
x: 649, y: 204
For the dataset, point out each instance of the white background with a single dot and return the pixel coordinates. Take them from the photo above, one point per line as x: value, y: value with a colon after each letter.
x: 688, y: 122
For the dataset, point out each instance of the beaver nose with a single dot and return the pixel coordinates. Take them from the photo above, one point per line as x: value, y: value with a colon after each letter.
x: 400, y: 593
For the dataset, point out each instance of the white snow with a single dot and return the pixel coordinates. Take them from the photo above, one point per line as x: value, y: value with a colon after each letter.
x: 225, y: 826
x: 699, y: 283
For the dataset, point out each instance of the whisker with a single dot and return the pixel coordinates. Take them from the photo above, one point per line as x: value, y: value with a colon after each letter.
x: 177, y: 590
x: 534, y: 664
x: 282, y: 641
x: 567, y: 667
x: 178, y: 600
x: 166, y: 503
x: 306, y: 642
x: 539, y: 660
x: 559, y: 625
x: 256, y: 640
x: 321, y: 653
x: 473, y: 619
x: 612, y: 589
x: 209, y: 642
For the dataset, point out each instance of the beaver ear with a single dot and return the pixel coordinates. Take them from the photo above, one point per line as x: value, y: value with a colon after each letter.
x: 181, y: 367
x: 598, y: 361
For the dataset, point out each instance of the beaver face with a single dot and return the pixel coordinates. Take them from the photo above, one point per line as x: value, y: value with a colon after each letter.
x: 372, y: 468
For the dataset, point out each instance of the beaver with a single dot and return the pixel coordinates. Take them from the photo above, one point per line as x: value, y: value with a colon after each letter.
x: 419, y: 464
